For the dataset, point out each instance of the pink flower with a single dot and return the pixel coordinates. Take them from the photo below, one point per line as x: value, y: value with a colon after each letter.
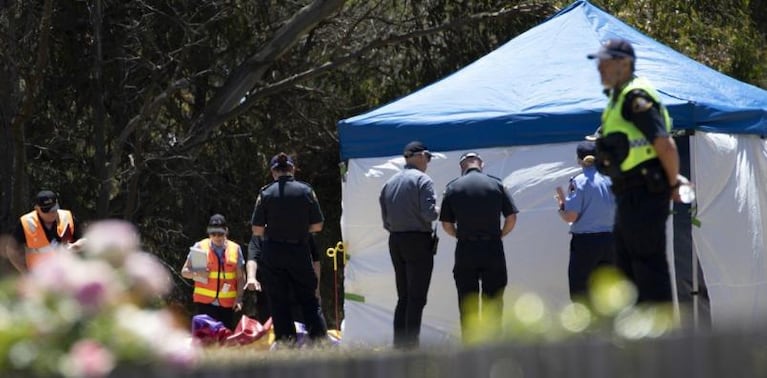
x: 89, y: 359
x: 111, y: 240
x: 147, y: 275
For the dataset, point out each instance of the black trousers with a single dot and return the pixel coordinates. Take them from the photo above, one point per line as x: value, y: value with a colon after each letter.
x: 413, y: 262
x: 587, y: 253
x: 222, y: 314
x: 287, y: 274
x: 479, y: 262
x: 640, y: 242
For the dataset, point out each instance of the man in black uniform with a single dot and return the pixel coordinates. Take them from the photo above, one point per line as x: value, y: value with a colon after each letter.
x: 636, y: 150
x: 471, y: 210
x: 263, y: 309
x: 408, y: 208
x: 286, y: 212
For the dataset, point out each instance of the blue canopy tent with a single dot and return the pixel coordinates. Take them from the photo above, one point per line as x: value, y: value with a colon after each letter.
x: 523, y: 106
x: 540, y: 88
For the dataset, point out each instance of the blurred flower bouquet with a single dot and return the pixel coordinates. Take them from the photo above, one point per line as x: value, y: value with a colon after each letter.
x: 81, y: 315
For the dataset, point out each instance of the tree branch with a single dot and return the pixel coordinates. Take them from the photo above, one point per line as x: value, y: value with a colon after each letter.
x: 247, y: 74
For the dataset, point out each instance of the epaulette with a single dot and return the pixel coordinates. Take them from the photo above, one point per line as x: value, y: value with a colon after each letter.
x: 452, y: 181
x: 267, y: 185
x: 640, y: 101
x: 497, y: 178
x: 303, y: 182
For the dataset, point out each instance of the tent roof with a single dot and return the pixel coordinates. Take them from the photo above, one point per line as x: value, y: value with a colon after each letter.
x: 539, y: 88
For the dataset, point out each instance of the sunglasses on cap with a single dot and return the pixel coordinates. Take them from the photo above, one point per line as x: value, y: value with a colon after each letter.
x: 424, y: 153
x: 48, y: 209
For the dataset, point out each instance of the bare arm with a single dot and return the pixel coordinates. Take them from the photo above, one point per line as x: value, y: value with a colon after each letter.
x: 567, y: 216
x: 508, y: 224
x: 15, y: 254
x: 669, y: 157
x: 251, y: 282
x: 315, y: 227
x: 317, y: 270
x: 449, y: 228
x: 186, y: 270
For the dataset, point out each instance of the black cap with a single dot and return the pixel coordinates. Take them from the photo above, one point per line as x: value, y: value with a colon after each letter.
x: 217, y: 223
x: 469, y: 155
x: 586, y: 148
x: 614, y: 48
x: 47, y: 200
x: 276, y: 163
x: 414, y: 147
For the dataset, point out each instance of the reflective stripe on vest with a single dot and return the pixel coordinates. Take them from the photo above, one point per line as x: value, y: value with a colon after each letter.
x: 38, y: 245
x: 640, y: 149
x: 213, y: 289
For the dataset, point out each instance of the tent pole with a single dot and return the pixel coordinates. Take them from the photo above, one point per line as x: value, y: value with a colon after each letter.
x: 695, y: 290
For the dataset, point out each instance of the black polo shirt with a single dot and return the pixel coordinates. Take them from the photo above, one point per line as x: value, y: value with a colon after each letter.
x: 286, y: 208
x: 50, y: 233
x: 475, y: 202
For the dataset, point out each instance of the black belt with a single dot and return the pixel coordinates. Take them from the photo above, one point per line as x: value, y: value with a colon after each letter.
x: 478, y: 238
x: 286, y: 241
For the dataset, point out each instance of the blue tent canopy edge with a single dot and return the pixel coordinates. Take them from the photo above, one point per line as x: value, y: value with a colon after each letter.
x: 539, y: 88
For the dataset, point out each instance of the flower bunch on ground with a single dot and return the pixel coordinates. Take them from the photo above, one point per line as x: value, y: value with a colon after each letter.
x: 82, y: 314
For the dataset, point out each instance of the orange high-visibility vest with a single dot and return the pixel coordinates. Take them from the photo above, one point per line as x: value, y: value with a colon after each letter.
x: 38, y: 245
x: 222, y: 281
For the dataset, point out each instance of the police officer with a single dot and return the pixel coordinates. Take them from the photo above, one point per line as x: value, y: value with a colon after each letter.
x: 471, y: 210
x: 408, y: 208
x: 286, y: 212
x: 263, y: 309
x: 589, y: 207
x: 638, y: 153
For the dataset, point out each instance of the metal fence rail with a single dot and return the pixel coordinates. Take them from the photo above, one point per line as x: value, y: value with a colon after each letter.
x: 685, y: 355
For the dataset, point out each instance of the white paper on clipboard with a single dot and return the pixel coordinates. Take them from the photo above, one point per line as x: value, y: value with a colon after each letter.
x: 199, y: 262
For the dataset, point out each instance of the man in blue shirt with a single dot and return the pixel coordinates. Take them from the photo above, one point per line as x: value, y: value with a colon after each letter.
x: 408, y: 208
x: 589, y: 207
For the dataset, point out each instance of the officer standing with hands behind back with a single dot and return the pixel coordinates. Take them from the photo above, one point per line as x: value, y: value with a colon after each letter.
x: 408, y: 208
x: 286, y: 212
x: 471, y: 211
x: 638, y: 153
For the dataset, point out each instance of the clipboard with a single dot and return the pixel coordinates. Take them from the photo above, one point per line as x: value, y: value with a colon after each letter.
x: 198, y: 262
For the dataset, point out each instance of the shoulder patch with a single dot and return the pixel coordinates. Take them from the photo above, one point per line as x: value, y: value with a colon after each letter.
x: 640, y: 104
x: 571, y: 187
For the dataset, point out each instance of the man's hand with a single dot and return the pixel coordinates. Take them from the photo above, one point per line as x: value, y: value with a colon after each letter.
x: 200, y: 273
x: 252, y: 284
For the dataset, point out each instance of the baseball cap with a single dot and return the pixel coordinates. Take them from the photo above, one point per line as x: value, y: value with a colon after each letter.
x: 217, y: 223
x: 415, y: 147
x: 586, y: 148
x: 47, y: 201
x: 614, y: 48
x: 469, y: 155
x: 281, y: 160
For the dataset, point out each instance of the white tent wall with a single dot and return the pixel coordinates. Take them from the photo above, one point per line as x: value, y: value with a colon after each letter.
x: 730, y: 173
x: 537, y: 251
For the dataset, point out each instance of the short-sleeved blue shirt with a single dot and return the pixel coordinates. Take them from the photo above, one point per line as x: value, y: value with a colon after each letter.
x: 590, y: 196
